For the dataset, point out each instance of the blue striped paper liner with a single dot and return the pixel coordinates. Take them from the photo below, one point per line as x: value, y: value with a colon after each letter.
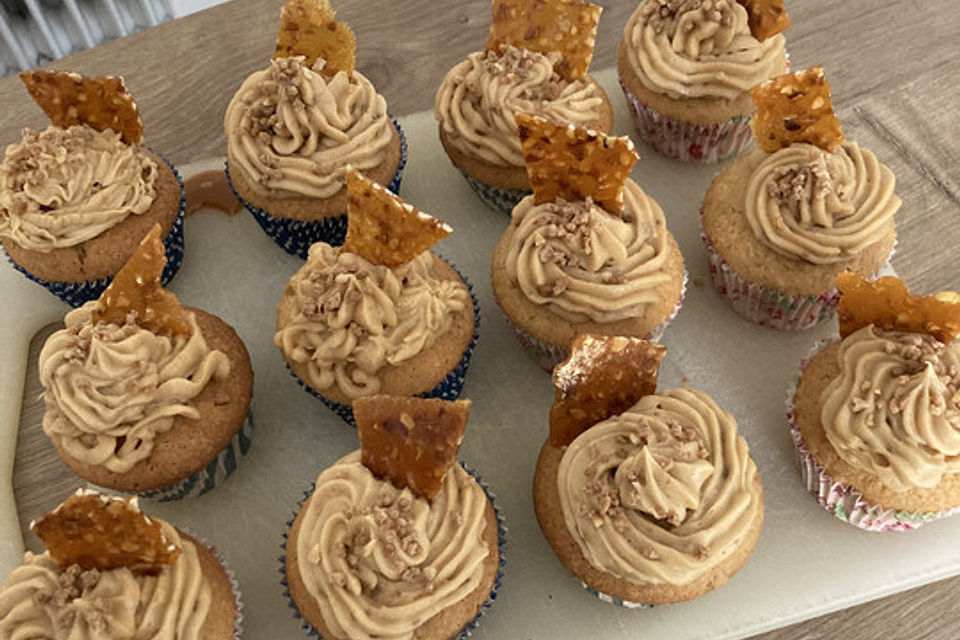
x: 448, y: 389
x: 497, y: 198
x: 470, y: 626
x: 615, y: 600
x: 296, y: 236
x: 77, y: 293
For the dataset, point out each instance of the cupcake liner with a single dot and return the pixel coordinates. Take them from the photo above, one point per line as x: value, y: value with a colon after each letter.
x: 77, y: 293
x: 216, y: 471
x: 470, y: 626
x: 448, y: 389
x: 689, y: 141
x: 296, y: 236
x: 548, y: 355
x: 497, y: 198
x: 231, y: 576
x: 842, y: 500
x: 615, y: 600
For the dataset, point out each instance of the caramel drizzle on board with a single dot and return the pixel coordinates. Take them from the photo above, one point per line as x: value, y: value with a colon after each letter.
x: 210, y: 190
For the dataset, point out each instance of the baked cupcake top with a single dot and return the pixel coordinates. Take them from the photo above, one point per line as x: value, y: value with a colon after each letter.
x: 294, y: 130
x: 698, y: 48
x: 662, y: 492
x: 80, y: 176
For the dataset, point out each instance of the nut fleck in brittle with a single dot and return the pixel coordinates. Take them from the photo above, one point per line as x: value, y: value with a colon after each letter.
x: 382, y: 228
x: 309, y: 28
x: 412, y: 442
x: 136, y: 290
x: 795, y: 107
x: 575, y: 163
x: 604, y: 376
x: 887, y: 304
x: 568, y: 27
x: 766, y: 17
x: 100, y: 103
x: 95, y: 531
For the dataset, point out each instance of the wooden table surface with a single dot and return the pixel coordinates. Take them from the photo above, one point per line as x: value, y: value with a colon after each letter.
x: 893, y: 66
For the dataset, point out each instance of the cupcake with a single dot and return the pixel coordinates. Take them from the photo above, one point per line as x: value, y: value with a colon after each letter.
x: 687, y: 67
x: 875, y: 415
x: 145, y: 396
x: 77, y: 198
x: 396, y: 540
x: 571, y: 262
x: 782, y: 222
x: 532, y: 64
x: 110, y: 571
x: 293, y: 129
x: 381, y: 314
x: 647, y: 498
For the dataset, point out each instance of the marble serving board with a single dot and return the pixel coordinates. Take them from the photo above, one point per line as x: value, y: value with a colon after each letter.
x: 806, y: 563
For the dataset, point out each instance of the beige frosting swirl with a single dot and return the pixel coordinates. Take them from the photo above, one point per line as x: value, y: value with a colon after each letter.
x: 380, y: 561
x: 60, y: 187
x: 295, y: 131
x: 894, y: 410
x: 111, y: 389
x: 698, y: 49
x: 822, y: 207
x: 661, y: 493
x: 584, y: 263
x: 479, y: 97
x: 41, y: 601
x: 352, y: 318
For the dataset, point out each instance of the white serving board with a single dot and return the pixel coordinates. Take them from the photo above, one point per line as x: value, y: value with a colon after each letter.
x: 807, y: 563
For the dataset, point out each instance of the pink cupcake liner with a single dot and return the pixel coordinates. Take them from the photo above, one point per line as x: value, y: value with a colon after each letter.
x: 689, y: 141
x: 548, y: 355
x: 843, y: 500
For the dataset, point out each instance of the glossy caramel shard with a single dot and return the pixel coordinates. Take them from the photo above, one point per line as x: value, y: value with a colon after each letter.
x: 136, y: 292
x: 568, y: 27
x: 766, y: 17
x: 412, y: 442
x: 887, y: 304
x: 70, y: 99
x: 794, y: 108
x: 604, y: 376
x: 95, y: 531
x: 309, y: 28
x: 382, y: 228
x: 575, y: 163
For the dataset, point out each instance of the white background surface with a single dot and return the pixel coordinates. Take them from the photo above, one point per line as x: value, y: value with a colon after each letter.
x: 806, y: 563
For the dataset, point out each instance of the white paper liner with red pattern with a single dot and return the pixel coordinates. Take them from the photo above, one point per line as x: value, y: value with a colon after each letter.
x: 842, y: 500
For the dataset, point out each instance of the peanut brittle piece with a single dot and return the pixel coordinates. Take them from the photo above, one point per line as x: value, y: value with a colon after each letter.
x: 604, y: 376
x: 568, y: 27
x: 99, y: 532
x: 412, y: 442
x: 136, y: 290
x: 887, y: 304
x: 766, y: 17
x: 309, y: 28
x: 795, y: 107
x: 574, y: 163
x: 100, y: 103
x: 382, y: 228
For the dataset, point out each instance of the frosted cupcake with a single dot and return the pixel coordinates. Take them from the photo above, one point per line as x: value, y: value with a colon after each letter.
x: 875, y: 415
x: 687, y: 67
x: 294, y: 128
x: 77, y: 198
x: 523, y: 69
x: 781, y: 224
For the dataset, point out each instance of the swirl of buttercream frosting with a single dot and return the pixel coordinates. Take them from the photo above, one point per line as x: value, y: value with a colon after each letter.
x: 295, y: 131
x: 380, y: 561
x: 894, y: 409
x: 662, y: 492
x: 111, y: 389
x: 478, y: 99
x: 698, y: 49
x: 61, y: 187
x: 584, y: 263
x: 819, y: 206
